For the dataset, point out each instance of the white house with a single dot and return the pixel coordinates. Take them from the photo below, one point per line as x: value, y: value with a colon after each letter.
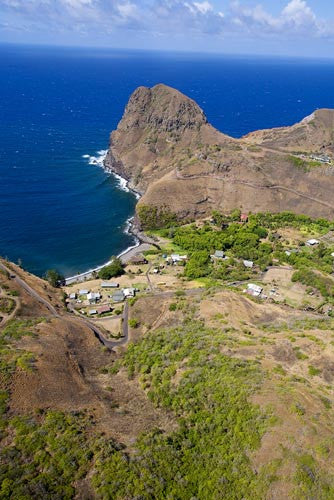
x: 219, y: 254
x: 254, y: 290
x: 91, y: 312
x: 248, y: 263
x: 83, y: 292
x: 312, y: 242
x: 129, y: 292
x: 176, y: 258
x: 73, y: 296
x: 93, y: 297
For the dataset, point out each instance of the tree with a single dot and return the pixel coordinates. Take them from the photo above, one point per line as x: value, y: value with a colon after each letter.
x: 54, y: 278
x: 115, y: 268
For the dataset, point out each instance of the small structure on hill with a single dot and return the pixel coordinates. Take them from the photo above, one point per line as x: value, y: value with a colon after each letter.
x: 312, y: 242
x: 244, y: 217
x: 138, y: 260
x: 322, y: 158
x: 104, y: 309
x: 73, y: 296
x: 219, y: 254
x: 254, y: 290
x: 93, y: 297
x: 109, y: 284
x: 175, y: 258
x: 118, y: 296
x: 248, y: 263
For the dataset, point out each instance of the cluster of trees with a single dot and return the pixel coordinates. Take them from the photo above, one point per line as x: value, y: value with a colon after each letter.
x: 242, y: 242
x: 290, y: 219
x: 112, y: 270
x: 319, y: 258
x: 315, y: 280
x: 55, y: 278
x: 254, y: 240
x: 151, y: 217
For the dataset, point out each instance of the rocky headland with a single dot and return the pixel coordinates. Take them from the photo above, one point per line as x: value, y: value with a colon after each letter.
x: 167, y: 150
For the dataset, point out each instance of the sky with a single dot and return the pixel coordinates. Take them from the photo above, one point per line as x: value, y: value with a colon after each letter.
x: 264, y: 27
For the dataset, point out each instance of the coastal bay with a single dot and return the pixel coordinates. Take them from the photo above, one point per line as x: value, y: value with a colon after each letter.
x: 58, y: 109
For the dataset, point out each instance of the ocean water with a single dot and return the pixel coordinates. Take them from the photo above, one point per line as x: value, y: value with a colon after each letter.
x: 59, y: 209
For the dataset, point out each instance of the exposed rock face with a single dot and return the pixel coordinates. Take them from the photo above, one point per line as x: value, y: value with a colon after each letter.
x: 169, y: 152
x: 163, y: 109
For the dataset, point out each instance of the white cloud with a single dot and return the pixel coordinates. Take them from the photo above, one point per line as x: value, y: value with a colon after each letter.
x: 170, y: 17
x: 298, y: 12
x: 203, y: 7
x: 77, y: 3
x: 127, y: 10
x: 296, y: 18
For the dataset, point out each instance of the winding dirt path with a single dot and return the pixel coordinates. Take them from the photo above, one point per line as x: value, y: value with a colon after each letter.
x: 277, y: 187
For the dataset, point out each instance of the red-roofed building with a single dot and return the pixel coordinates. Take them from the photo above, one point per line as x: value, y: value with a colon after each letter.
x: 244, y: 217
x: 103, y: 309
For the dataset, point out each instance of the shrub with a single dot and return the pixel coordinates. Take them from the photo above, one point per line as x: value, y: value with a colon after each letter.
x: 55, y: 278
x: 115, y: 268
x: 133, y: 323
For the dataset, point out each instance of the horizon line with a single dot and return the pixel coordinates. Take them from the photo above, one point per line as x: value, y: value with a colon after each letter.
x: 164, y: 51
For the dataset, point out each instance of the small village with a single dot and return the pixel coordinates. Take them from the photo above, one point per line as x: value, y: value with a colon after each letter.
x: 162, y: 272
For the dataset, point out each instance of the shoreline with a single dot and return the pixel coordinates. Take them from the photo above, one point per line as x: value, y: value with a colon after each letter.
x: 142, y: 242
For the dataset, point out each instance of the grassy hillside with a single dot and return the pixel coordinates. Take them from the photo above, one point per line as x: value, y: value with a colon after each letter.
x: 217, y: 395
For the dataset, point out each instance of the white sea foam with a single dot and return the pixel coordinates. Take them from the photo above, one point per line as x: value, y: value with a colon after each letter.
x: 122, y: 183
x: 98, y: 160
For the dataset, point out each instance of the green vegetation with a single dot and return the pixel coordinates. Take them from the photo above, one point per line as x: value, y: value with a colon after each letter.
x: 11, y: 357
x: 56, y: 455
x: 310, y: 278
x: 217, y: 424
x: 313, y: 371
x: 55, y: 278
x: 255, y: 240
x: 240, y: 241
x: 133, y: 323
x: 7, y: 305
x: 52, y: 452
x: 112, y: 270
x: 45, y: 458
x: 310, y: 481
x: 152, y: 217
x: 303, y: 164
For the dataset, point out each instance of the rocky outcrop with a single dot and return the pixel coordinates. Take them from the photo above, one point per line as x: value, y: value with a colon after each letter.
x: 169, y: 152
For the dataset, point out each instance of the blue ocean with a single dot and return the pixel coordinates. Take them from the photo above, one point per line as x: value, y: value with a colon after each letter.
x: 59, y: 209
